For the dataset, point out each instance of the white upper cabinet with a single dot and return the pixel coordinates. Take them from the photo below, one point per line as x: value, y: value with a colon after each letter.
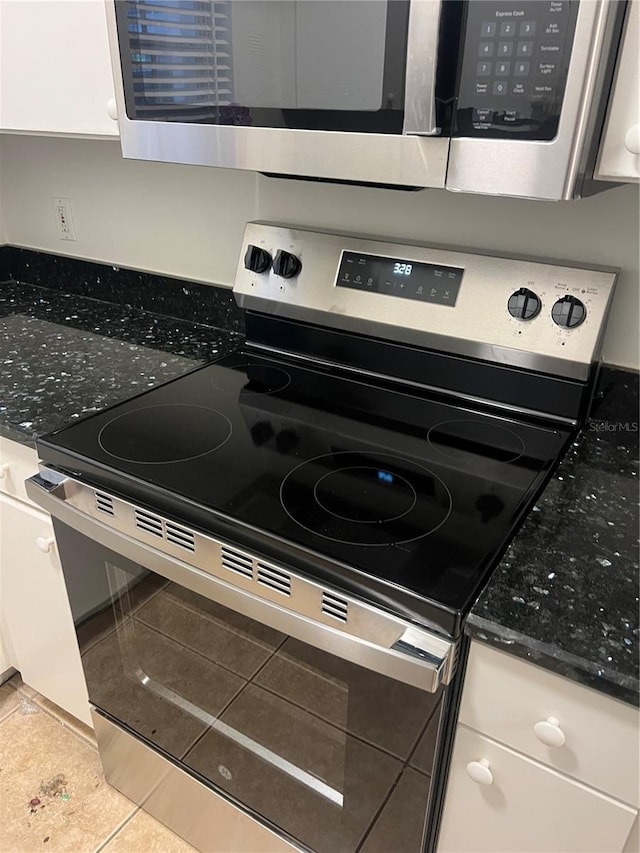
x: 619, y: 156
x: 55, y: 68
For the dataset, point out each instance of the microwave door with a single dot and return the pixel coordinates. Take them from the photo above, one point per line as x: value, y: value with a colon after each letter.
x: 240, y: 84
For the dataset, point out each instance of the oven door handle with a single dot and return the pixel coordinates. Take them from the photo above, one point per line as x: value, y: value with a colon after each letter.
x: 421, y: 68
x: 386, y: 644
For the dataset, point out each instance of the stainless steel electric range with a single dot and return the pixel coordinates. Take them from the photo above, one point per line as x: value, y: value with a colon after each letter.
x: 270, y: 559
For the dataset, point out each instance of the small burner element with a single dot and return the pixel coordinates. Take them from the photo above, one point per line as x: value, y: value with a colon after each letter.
x: 247, y: 378
x: 366, y: 498
x: 458, y: 438
x: 172, y: 432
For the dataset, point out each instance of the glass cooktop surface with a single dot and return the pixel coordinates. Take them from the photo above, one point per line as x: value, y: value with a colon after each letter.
x: 417, y: 493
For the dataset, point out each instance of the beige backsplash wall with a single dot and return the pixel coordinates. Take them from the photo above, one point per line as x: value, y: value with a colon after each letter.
x: 187, y: 221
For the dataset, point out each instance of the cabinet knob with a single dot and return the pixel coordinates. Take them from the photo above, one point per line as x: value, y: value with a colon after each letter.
x: 632, y: 139
x: 45, y: 543
x: 549, y: 732
x: 4, y: 470
x: 112, y: 109
x: 480, y: 772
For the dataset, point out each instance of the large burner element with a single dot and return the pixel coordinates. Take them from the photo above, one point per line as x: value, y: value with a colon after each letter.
x: 459, y: 438
x: 173, y: 432
x: 242, y: 376
x: 365, y: 498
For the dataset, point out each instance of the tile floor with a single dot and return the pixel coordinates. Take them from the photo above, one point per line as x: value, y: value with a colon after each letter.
x: 53, y: 796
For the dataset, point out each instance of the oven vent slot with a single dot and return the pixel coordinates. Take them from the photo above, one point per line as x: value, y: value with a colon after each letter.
x: 148, y: 522
x: 274, y: 578
x: 334, y: 606
x: 180, y: 536
x: 104, y: 503
x: 236, y: 562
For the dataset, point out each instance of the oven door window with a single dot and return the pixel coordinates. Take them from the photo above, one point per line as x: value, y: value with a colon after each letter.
x: 313, y: 64
x: 336, y: 757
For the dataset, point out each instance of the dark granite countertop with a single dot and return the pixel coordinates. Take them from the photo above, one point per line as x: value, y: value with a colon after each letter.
x: 566, y: 593
x: 63, y: 355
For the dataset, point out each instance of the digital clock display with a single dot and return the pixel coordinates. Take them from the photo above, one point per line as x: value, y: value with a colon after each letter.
x: 436, y: 283
x: 402, y: 269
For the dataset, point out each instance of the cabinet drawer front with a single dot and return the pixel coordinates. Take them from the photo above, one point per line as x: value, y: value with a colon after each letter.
x: 526, y: 807
x: 505, y: 698
x: 17, y: 463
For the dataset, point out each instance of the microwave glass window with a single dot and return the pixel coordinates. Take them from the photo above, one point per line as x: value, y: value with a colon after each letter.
x: 275, y: 63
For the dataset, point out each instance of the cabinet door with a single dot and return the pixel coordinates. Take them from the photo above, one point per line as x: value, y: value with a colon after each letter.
x: 55, y: 68
x: 36, y: 607
x: 523, y: 806
x: 619, y: 156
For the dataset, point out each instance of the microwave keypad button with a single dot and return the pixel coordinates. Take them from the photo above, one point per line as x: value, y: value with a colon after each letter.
x: 488, y: 29
x: 510, y: 116
x: 543, y: 89
x: 507, y: 28
x: 500, y: 87
x: 482, y: 116
x: 521, y: 69
x: 485, y: 49
x: 549, y: 49
x: 505, y: 48
x: 519, y: 89
x: 482, y: 88
x: 525, y: 48
x: 547, y: 69
x: 527, y: 28
x: 484, y: 69
x: 503, y: 69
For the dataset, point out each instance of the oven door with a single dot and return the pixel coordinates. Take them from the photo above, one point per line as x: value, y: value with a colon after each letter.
x: 306, y: 746
x: 240, y: 84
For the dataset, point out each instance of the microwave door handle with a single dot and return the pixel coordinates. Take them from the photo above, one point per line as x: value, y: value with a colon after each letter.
x: 415, y: 656
x: 422, y: 57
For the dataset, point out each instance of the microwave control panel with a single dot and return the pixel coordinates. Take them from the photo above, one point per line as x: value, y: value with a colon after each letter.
x: 514, y: 68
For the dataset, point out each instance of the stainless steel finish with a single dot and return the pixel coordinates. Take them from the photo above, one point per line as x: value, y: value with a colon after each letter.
x: 178, y: 800
x: 546, y: 170
x: 355, y: 157
x: 479, y: 325
x: 422, y: 56
x: 231, y: 576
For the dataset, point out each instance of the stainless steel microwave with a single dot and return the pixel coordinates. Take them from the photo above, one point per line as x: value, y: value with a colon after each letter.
x: 503, y: 97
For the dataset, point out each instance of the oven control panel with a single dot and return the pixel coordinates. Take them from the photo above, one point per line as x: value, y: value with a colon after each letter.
x: 541, y: 315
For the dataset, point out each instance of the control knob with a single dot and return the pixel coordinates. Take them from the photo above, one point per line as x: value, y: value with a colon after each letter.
x: 568, y: 312
x: 286, y: 265
x: 257, y: 259
x: 524, y: 304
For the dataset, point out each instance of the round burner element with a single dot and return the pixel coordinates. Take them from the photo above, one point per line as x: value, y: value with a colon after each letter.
x: 351, y: 494
x: 365, y: 498
x: 458, y: 438
x: 170, y: 432
x: 250, y: 378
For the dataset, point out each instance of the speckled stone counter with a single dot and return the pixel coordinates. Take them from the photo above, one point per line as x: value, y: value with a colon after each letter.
x: 63, y: 355
x: 566, y: 593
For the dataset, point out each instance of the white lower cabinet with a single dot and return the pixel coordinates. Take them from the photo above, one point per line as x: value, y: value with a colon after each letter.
x: 36, y: 608
x: 540, y: 764
x: 520, y: 805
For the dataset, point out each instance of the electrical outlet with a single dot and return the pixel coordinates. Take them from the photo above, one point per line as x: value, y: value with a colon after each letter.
x: 64, y: 218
